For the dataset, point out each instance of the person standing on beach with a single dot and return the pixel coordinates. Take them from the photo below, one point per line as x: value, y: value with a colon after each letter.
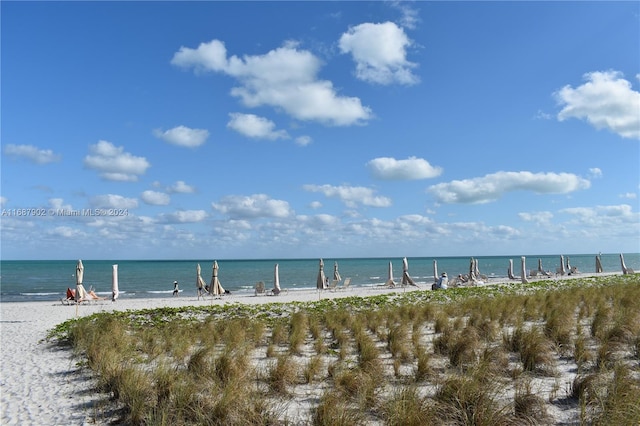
x: 175, y: 288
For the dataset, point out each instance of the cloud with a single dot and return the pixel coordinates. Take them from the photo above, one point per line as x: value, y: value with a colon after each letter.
x: 183, y: 136
x: 31, y: 153
x: 315, y: 205
x: 115, y: 164
x: 540, y: 218
x: 58, y: 204
x: 113, y: 201
x: 629, y: 195
x: 491, y: 187
x: 181, y: 187
x: 379, y: 51
x: 409, y: 16
x: 251, y: 207
x: 211, y: 56
x: 595, y: 172
x: 410, y: 169
x: 66, y: 232
x: 155, y: 198
x: 3, y: 201
x: 183, y: 216
x: 303, y: 140
x: 541, y: 115
x: 284, y: 78
x: 351, y: 196
x: 255, y: 127
x: 606, y: 101
x: 604, y: 216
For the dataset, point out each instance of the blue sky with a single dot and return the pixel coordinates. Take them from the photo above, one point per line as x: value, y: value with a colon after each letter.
x: 319, y: 129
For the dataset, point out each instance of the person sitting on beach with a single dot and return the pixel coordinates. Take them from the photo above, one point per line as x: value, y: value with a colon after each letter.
x: 175, y: 288
x: 443, y: 282
x: 94, y: 296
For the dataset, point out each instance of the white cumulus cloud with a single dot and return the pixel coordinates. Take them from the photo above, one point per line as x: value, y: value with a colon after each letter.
x: 606, y: 101
x: 58, y: 204
x: 183, y: 136
x: 410, y: 169
x: 31, y: 153
x: 380, y: 53
x: 604, y: 217
x: 493, y: 186
x: 284, y: 78
x: 541, y: 218
x: 66, y: 232
x: 155, y: 198
x: 113, y: 201
x: 181, y: 187
x: 255, y: 127
x: 351, y: 196
x: 114, y: 164
x: 252, y: 206
x: 184, y: 216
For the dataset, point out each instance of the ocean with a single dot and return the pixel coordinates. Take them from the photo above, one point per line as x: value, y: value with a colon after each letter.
x: 42, y: 280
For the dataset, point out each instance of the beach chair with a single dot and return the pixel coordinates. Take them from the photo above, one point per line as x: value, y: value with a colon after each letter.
x: 260, y: 290
x: 334, y: 285
x: 70, y: 297
x: 85, y: 296
x: 345, y: 285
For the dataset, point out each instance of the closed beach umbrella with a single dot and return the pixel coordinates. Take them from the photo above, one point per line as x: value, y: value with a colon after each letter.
x: 435, y: 271
x: 216, y: 287
x: 79, y: 278
x: 510, y: 270
x: 476, y: 268
x: 472, y: 270
x: 624, y: 267
x: 406, y: 279
x: 541, y: 269
x: 523, y: 270
x: 598, y: 265
x: 276, y: 280
x: 200, y: 284
x: 114, y: 283
x: 562, y: 270
x: 321, y: 278
x: 390, y: 281
x: 198, y: 274
x: 336, y: 274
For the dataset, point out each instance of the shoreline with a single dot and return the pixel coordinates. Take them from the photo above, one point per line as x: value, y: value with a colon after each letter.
x: 41, y: 383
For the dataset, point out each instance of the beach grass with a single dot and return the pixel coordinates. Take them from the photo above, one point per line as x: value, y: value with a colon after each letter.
x: 470, y: 356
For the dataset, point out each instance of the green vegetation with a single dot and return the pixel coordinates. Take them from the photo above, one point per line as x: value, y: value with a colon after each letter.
x: 466, y: 356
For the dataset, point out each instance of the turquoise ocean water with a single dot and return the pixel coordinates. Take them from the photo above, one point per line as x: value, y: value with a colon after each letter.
x: 33, y: 280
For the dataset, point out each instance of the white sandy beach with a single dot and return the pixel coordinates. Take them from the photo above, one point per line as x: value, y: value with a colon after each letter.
x: 41, y: 384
